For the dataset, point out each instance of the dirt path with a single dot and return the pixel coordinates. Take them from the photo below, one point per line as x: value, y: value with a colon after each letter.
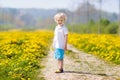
x: 82, y: 67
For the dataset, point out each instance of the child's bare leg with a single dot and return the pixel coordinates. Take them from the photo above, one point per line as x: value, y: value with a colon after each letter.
x: 60, y: 64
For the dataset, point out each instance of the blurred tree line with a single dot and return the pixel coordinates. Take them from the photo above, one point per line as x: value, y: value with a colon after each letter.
x: 87, y: 19
x: 107, y: 27
x: 84, y: 19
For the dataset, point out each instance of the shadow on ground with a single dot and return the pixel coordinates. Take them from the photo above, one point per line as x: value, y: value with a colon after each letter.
x: 78, y: 72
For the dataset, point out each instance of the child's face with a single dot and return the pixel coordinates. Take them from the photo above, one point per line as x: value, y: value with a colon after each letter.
x: 60, y: 21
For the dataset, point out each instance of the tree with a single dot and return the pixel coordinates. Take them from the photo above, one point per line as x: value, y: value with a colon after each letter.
x: 113, y: 28
x: 119, y: 19
x: 87, y: 15
x: 104, y: 22
x: 99, y: 25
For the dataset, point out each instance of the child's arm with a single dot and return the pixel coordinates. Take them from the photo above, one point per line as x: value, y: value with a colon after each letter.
x: 66, y: 39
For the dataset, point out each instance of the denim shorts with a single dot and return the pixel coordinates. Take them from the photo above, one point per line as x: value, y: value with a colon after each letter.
x: 59, y: 54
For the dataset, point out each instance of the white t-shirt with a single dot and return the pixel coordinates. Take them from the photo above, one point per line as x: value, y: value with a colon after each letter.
x: 59, y: 38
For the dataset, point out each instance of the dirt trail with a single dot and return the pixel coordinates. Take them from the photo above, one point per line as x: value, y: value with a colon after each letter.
x: 82, y: 67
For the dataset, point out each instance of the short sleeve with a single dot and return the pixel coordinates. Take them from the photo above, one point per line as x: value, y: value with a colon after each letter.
x: 65, y: 30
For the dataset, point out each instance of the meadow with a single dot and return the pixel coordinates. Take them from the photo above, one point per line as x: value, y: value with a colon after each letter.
x: 21, y: 52
x: 104, y: 46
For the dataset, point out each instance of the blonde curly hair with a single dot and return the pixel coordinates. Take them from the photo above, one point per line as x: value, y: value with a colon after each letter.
x: 59, y: 16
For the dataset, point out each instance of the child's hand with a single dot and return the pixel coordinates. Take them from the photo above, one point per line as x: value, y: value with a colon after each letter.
x: 65, y: 48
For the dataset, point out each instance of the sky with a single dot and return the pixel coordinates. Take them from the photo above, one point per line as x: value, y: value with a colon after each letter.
x: 108, y: 5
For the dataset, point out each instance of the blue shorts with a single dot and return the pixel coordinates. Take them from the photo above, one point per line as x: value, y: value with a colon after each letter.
x: 59, y: 54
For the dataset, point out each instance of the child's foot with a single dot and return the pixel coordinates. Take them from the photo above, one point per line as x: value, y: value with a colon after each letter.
x: 59, y: 71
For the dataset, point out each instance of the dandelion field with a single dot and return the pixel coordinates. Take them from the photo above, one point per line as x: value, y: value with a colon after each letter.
x: 21, y: 53
x: 105, y: 46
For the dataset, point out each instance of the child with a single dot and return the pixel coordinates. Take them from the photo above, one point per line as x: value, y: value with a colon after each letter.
x: 60, y: 40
